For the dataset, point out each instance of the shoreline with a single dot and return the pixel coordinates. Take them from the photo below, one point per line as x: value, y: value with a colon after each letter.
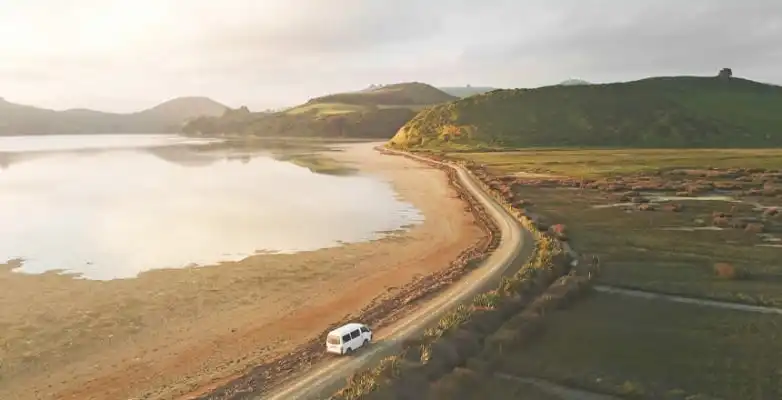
x: 268, y: 376
x: 175, y: 333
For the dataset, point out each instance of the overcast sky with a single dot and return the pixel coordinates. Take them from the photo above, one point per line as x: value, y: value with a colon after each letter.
x: 131, y: 54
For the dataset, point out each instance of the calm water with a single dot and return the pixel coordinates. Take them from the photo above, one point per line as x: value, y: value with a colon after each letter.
x: 111, y: 206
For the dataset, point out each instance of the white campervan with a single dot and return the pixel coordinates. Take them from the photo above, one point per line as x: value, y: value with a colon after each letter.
x: 348, y: 338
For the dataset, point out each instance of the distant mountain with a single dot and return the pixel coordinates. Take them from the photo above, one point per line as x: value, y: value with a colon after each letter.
x: 683, y: 112
x: 466, y: 91
x: 574, y: 82
x: 17, y: 119
x: 375, y: 112
x: 184, y: 108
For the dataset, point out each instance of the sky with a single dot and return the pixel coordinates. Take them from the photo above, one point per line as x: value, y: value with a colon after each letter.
x: 132, y: 54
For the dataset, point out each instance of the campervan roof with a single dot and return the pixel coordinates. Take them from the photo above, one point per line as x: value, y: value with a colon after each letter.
x: 345, y: 329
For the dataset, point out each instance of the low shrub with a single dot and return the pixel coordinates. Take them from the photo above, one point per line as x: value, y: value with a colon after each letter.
x: 479, y: 365
x: 457, y: 385
x: 559, y: 231
x: 483, y: 322
x: 755, y: 227
x: 450, y: 321
x: 646, y: 207
x: 673, y: 207
x: 443, y: 357
x: 500, y: 342
x: 523, y: 319
x: 722, y: 222
x: 467, y: 343
x: 729, y: 272
x: 488, y: 300
x: 367, y: 381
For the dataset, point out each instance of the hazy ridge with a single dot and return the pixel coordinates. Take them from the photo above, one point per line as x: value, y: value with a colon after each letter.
x: 17, y: 119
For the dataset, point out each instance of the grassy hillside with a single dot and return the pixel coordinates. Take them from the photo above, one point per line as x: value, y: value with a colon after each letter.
x: 574, y: 82
x: 16, y: 119
x: 654, y: 112
x: 399, y: 94
x: 377, y: 112
x: 466, y: 91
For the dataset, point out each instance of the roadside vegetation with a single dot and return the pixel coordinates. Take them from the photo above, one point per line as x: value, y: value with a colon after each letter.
x: 678, y: 112
x: 468, y: 341
x: 467, y: 344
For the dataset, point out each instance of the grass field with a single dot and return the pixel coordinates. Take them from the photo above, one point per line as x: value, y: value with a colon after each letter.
x: 492, y: 387
x: 639, y: 249
x: 660, y: 220
x: 327, y: 108
x: 657, y: 350
x: 672, y: 252
x: 607, y: 162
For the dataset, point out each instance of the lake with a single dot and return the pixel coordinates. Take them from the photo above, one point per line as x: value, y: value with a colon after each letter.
x: 112, y: 206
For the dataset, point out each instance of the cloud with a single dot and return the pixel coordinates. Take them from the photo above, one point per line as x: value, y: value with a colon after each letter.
x: 276, y: 52
x: 623, y: 40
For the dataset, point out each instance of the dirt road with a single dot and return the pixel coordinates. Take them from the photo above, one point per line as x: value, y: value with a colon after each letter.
x: 326, y: 378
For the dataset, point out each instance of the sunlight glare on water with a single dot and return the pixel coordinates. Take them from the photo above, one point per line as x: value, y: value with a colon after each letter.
x: 125, y: 209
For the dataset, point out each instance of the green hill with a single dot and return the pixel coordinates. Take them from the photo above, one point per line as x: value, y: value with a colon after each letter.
x: 654, y: 112
x: 377, y: 112
x: 16, y: 119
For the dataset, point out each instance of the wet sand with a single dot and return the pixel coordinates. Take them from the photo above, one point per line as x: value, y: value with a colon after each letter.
x: 170, y: 333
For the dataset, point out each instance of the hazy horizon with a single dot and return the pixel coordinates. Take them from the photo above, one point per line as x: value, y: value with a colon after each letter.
x: 128, y: 56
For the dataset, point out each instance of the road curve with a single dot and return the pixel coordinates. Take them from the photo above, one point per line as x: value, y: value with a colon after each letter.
x: 515, y: 243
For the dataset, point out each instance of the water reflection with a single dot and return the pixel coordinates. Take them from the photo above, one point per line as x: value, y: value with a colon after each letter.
x: 109, y: 212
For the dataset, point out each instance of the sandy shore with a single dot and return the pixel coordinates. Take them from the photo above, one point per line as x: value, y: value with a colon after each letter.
x: 170, y: 333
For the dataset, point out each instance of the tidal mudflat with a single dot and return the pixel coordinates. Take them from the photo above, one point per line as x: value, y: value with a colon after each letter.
x: 167, y: 332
